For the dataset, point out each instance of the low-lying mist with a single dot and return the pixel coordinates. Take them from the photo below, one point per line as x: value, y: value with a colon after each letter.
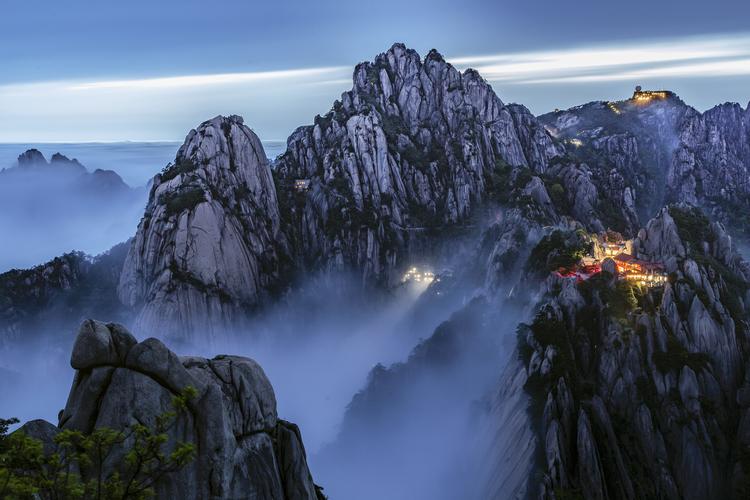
x: 44, y: 214
x: 318, y: 346
x: 386, y: 387
x: 35, y: 379
x: 411, y: 433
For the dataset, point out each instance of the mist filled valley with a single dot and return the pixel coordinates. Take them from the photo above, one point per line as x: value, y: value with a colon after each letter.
x: 363, y: 373
x: 425, y: 293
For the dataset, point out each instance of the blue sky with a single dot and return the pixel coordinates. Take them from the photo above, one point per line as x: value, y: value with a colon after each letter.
x: 98, y: 71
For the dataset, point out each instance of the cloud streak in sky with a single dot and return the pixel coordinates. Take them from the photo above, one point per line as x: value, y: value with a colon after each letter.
x: 275, y: 102
x: 688, y: 57
x: 210, y: 80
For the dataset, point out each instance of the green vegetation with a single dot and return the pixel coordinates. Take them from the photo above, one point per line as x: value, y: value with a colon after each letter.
x: 178, y: 202
x: 78, y: 466
x: 693, y: 226
x: 182, y: 167
x: 188, y: 278
x: 559, y: 249
x: 393, y: 126
x: 499, y: 182
x: 547, y: 330
x: 557, y: 194
x: 504, y: 179
x: 694, y: 229
x: 676, y: 356
x: 622, y: 299
x: 611, y: 215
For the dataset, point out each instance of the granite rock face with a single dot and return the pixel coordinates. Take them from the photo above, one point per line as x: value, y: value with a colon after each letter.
x: 243, y: 449
x: 644, y: 401
x: 663, y: 151
x: 413, y: 148
x: 408, y: 150
x: 39, y: 301
x: 711, y: 163
x: 209, y: 247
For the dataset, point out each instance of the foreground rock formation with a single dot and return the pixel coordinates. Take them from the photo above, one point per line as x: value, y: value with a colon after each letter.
x: 243, y: 449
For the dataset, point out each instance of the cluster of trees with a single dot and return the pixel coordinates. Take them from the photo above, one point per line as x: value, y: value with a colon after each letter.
x: 105, y: 464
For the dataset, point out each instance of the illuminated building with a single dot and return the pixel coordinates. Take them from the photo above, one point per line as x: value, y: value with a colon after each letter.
x: 417, y: 275
x: 301, y: 184
x: 641, y: 96
x: 641, y: 271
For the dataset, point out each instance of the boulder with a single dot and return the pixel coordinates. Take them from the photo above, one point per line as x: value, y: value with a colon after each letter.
x: 243, y: 450
x: 609, y: 266
x: 100, y: 344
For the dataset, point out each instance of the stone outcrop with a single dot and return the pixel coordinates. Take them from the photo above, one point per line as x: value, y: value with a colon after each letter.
x: 662, y: 152
x: 638, y: 392
x: 209, y: 247
x: 407, y: 151
x: 243, y: 450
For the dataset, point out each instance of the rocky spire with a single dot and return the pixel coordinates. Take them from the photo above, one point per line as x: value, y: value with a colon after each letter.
x: 209, y: 245
x: 31, y: 157
x: 407, y: 150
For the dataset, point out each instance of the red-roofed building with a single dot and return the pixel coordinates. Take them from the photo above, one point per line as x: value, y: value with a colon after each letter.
x: 650, y: 273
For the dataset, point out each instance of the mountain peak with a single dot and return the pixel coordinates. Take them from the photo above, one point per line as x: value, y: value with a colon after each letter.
x: 31, y: 157
x: 209, y: 236
x: 434, y: 55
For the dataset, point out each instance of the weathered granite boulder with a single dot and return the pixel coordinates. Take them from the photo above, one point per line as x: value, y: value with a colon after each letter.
x: 243, y: 450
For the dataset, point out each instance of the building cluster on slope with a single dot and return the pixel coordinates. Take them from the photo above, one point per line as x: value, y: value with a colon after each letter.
x: 620, y: 251
x: 641, y: 96
x: 418, y: 275
x: 301, y: 185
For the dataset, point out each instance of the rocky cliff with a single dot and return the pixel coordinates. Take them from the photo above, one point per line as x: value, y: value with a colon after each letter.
x: 414, y: 148
x: 637, y: 392
x: 711, y: 163
x: 209, y: 247
x: 407, y: 152
x: 647, y: 154
x: 243, y: 450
